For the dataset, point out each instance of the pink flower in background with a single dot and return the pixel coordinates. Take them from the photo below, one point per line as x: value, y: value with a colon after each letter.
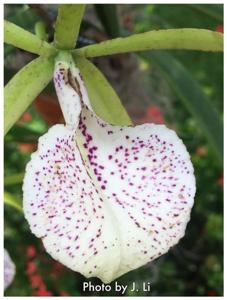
x: 37, y: 274
x: 220, y: 181
x: 153, y: 114
x: 9, y: 269
x: 31, y: 268
x: 43, y: 292
x: 27, y: 147
x: 220, y: 28
x: 211, y: 293
x: 31, y: 251
x: 36, y: 280
x: 201, y: 151
x: 64, y: 293
x: 26, y: 117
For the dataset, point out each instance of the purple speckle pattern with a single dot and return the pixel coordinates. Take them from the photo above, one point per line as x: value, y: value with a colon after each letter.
x: 9, y: 269
x: 107, y: 199
x: 148, y: 180
x: 64, y: 208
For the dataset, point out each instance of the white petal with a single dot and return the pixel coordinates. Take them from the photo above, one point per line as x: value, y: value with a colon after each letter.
x: 9, y: 270
x: 62, y: 207
x: 71, y: 91
x: 78, y: 77
x: 146, y: 177
x: 123, y: 193
x: 68, y: 98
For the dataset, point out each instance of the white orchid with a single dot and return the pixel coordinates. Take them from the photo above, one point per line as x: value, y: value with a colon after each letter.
x: 106, y: 199
x: 9, y: 269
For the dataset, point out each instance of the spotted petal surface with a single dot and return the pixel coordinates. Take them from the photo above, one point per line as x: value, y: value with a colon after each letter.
x: 64, y: 208
x: 106, y: 199
x: 145, y: 175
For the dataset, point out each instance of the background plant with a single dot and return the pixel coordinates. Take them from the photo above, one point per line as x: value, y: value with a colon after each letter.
x: 194, y: 98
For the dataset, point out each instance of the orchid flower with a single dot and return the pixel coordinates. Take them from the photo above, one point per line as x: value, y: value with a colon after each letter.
x: 106, y: 199
x: 9, y: 269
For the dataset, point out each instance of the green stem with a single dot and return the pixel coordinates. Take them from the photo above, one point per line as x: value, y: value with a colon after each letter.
x: 23, y: 39
x: 64, y: 55
x: 13, y: 179
x: 68, y: 25
x: 185, y: 38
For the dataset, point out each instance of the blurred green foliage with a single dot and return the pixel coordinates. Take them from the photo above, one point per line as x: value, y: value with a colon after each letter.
x: 195, y: 266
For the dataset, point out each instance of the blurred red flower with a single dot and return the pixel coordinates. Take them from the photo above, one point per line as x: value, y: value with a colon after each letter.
x: 211, y: 293
x: 31, y: 251
x: 27, y: 147
x: 154, y: 115
x: 201, y: 151
x: 26, y: 117
x: 220, y: 181
x: 43, y: 292
x: 64, y: 293
x: 31, y: 268
x: 36, y: 280
x: 219, y: 28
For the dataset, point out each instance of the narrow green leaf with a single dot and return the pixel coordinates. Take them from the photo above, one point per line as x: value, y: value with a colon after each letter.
x: 107, y: 14
x: 23, y: 134
x: 13, y: 179
x: 103, y: 98
x: 22, y: 89
x: 213, y: 10
x: 23, y: 39
x: 188, y: 90
x: 185, y: 38
x: 12, y: 201
x: 68, y: 25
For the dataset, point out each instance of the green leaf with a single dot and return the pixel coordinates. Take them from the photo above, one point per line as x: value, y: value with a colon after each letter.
x: 104, y: 99
x: 13, y: 179
x: 23, y: 39
x: 23, y: 16
x: 214, y: 11
x: 68, y: 25
x: 22, y: 134
x: 189, y: 91
x: 12, y: 201
x: 107, y: 14
x: 185, y: 38
x: 24, y: 87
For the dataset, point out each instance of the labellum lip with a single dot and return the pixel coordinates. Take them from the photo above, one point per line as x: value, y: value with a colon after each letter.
x: 95, y: 191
